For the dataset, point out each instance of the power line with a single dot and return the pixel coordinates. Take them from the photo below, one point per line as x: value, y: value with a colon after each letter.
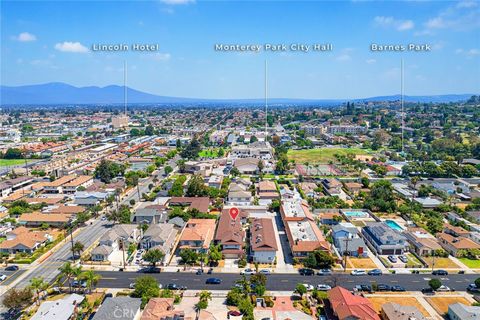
x: 266, y: 99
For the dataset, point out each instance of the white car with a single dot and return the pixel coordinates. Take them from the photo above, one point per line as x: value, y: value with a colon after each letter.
x: 3, y: 277
x: 358, y: 272
x: 132, y: 285
x: 323, y: 287
x: 247, y: 272
x: 443, y: 288
x: 309, y: 287
x: 264, y: 271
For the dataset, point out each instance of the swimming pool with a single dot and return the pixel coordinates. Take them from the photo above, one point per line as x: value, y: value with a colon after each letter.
x: 355, y: 214
x: 392, y: 224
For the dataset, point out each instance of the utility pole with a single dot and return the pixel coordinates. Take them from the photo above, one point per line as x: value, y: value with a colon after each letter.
x: 266, y: 100
x: 71, y: 240
x: 123, y: 252
x: 345, y: 253
x: 402, y: 103
x: 125, y: 86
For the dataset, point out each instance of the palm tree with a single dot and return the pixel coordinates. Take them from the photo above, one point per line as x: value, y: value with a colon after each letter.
x: 76, y: 272
x: 38, y: 285
x: 66, y: 270
x: 203, y: 258
x: 205, y: 295
x: 91, y: 277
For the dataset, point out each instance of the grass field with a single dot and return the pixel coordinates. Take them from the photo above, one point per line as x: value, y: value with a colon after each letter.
x: 321, y: 155
x: 361, y: 263
x: 440, y: 304
x: 440, y: 263
x: 474, y: 264
x: 210, y: 153
x: 378, y: 302
x: 11, y: 162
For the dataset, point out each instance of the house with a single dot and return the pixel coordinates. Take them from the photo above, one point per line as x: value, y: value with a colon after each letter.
x: 63, y: 209
x: 197, y: 234
x: 384, y: 239
x: 56, y: 186
x: 36, y: 219
x: 199, y: 167
x: 347, y: 306
x: 101, y: 253
x: 215, y: 181
x: 22, y: 239
x: 139, y: 164
x: 353, y: 187
x: 422, y: 242
x: 119, y: 233
x: 455, y: 231
x: 330, y: 217
x: 162, y: 309
x: 332, y: 186
x: 9, y: 186
x: 161, y: 236
x: 295, y: 210
x: 459, y: 311
x: 347, y: 241
x: 89, y: 198
x: 308, y: 189
x: 395, y: 311
x: 230, y: 236
x: 150, y: 213
x: 263, y: 244
x: 200, y: 203
x: 120, y: 308
x: 267, y: 190
x: 453, y: 244
x: 247, y: 165
x: 304, y: 237
x: 428, y: 202
x: 239, y: 198
x: 80, y: 182
x: 61, y: 309
x: 257, y: 150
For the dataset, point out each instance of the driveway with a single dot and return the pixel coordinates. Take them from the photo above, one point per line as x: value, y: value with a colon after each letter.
x: 284, y: 257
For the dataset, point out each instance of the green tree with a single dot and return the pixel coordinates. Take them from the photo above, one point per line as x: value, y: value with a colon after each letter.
x: 17, y: 298
x: 300, y: 289
x: 188, y: 256
x: 91, y: 278
x: 153, y: 256
x: 168, y: 170
x: 215, y: 253
x: 107, y: 170
x: 38, y: 285
x: 145, y: 287
x: 78, y: 247
x: 66, y: 271
x: 196, y: 187
x: 435, y: 283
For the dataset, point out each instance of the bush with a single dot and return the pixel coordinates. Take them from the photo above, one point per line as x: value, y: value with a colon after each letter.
x: 242, y: 263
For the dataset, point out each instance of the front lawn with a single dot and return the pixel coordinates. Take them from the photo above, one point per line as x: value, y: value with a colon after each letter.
x: 474, y: 264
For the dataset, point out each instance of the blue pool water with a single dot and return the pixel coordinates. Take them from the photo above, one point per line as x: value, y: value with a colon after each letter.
x: 355, y: 214
x: 392, y: 224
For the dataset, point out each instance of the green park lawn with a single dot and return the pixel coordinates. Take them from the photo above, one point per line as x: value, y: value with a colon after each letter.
x: 321, y: 155
x: 11, y: 162
x: 209, y: 153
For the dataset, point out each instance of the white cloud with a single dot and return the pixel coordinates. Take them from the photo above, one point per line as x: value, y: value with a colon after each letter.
x: 390, y: 22
x: 436, y: 23
x: 371, y: 61
x: 473, y: 52
x: 177, y: 2
x: 469, y: 53
x: 161, y: 56
x: 467, y: 4
x: 343, y: 57
x: 25, y: 37
x: 67, y: 46
x: 463, y: 16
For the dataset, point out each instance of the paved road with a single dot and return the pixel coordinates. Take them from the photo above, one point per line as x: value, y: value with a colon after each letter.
x: 286, y: 282
x: 11, y: 276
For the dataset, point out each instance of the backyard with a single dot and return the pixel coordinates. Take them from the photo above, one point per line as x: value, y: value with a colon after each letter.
x: 441, y: 263
x: 440, y: 304
x: 321, y: 155
x: 379, y: 301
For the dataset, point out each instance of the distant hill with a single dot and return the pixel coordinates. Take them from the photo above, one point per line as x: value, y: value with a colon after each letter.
x: 62, y: 93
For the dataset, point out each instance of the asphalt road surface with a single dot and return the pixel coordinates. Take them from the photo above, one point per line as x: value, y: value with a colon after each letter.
x: 286, y: 282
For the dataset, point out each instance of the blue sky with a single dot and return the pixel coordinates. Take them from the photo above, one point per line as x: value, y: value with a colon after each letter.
x: 51, y: 42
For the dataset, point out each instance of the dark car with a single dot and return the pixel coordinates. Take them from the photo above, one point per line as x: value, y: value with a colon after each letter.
x: 383, y: 287
x: 363, y: 287
x: 174, y: 286
x: 11, y: 268
x: 213, y: 281
x: 199, y: 272
x: 440, y: 273
x: 150, y: 270
x: 428, y: 291
x: 375, y: 272
x: 79, y: 284
x: 306, y: 272
x: 325, y: 272
x: 210, y: 271
x: 472, y: 287
x: 397, y: 288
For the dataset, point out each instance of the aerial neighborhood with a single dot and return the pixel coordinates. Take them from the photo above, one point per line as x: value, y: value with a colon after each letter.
x: 183, y: 213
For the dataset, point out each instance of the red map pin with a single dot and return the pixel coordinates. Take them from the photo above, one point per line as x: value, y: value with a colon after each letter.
x: 233, y: 213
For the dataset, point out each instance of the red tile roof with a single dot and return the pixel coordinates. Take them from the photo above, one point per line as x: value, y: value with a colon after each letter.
x: 349, y: 306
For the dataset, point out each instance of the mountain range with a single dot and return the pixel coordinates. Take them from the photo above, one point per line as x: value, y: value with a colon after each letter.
x: 61, y: 93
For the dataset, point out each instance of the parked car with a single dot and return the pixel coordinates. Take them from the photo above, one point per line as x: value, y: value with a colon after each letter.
x: 265, y: 272
x: 11, y: 268
x: 150, y: 270
x: 392, y: 259
x: 325, y: 272
x: 383, y: 287
x: 174, y: 286
x: 472, y: 287
x: 363, y: 287
x: 375, y: 272
x: 210, y: 271
x: 403, y: 258
x: 444, y: 288
x: 3, y: 277
x: 213, y: 281
x: 398, y: 288
x: 79, y: 284
x: 309, y: 287
x: 323, y: 287
x: 440, y: 272
x: 132, y: 285
x: 199, y: 272
x: 306, y: 272
x: 247, y: 271
x: 358, y: 272
x: 428, y: 291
